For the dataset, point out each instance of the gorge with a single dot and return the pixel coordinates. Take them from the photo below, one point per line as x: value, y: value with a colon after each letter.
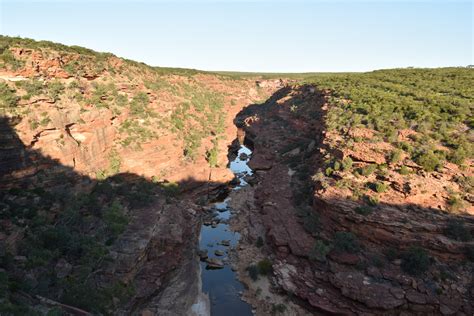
x: 127, y: 189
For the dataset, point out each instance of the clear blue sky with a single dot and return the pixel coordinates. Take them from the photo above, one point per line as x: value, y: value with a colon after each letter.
x: 273, y: 36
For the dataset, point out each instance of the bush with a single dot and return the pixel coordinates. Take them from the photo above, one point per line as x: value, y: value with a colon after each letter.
x: 171, y: 188
x: 329, y: 171
x: 458, y: 156
x: 379, y: 187
x: 264, y: 267
x: 211, y: 155
x: 429, y: 161
x: 415, y: 261
x: 114, y: 162
x: 8, y: 59
x: 364, y: 210
x: 368, y: 170
x: 455, y: 203
x: 32, y: 88
x: 347, y: 164
x: 278, y: 308
x: 405, y: 146
x: 456, y: 230
x: 139, y: 104
x: 253, y: 272
x: 8, y: 98
x: 466, y: 183
x: 259, y: 242
x: 346, y: 242
x: 114, y: 217
x: 371, y: 200
x: 395, y: 156
x: 55, y: 89
x: 319, y: 251
x: 192, y: 142
x: 404, y: 170
x: 311, y: 223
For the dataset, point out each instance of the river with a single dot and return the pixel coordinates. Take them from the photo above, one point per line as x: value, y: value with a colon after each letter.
x: 219, y: 280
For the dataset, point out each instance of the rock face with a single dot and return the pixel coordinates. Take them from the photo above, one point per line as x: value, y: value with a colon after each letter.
x: 88, y: 121
x: 328, y: 252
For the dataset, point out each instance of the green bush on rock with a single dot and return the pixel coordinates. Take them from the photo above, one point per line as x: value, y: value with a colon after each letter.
x: 415, y: 261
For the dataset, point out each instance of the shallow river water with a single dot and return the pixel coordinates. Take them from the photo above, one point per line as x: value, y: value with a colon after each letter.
x: 222, y: 285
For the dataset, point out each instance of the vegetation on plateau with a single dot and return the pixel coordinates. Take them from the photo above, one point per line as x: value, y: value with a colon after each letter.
x: 435, y: 104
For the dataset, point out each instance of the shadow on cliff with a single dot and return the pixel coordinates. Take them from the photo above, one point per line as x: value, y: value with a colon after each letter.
x: 77, y: 243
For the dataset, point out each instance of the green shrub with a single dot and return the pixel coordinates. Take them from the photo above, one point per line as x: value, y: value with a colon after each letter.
x: 395, y: 156
x: 114, y: 217
x: 8, y: 59
x: 55, y: 89
x: 364, y: 210
x: 139, y: 104
x: 347, y: 164
x: 368, y: 170
x: 415, y: 261
x: 8, y: 98
x: 259, y: 242
x: 45, y: 121
x: 253, y: 272
x: 458, y: 156
x: 114, y: 162
x: 346, y: 242
x: 319, y: 251
x: 311, y: 223
x: 466, y: 183
x: 211, y: 155
x: 371, y: 200
x: 406, y: 147
x: 32, y: 88
x: 379, y: 187
x: 329, y: 171
x: 391, y: 254
x: 171, y: 189
x: 456, y: 230
x: 455, y: 203
x: 428, y: 160
x: 102, y: 94
x: 101, y: 174
x: 264, y: 267
x: 278, y: 308
x: 121, y: 100
x: 192, y: 143
x: 404, y: 171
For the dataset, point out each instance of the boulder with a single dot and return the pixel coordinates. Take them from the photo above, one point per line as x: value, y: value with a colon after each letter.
x: 225, y: 242
x: 214, y: 263
x: 203, y: 254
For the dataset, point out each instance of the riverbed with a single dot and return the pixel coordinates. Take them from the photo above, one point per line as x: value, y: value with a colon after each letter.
x: 219, y: 281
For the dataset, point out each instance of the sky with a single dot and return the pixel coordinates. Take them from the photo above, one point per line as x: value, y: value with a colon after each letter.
x: 260, y: 35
